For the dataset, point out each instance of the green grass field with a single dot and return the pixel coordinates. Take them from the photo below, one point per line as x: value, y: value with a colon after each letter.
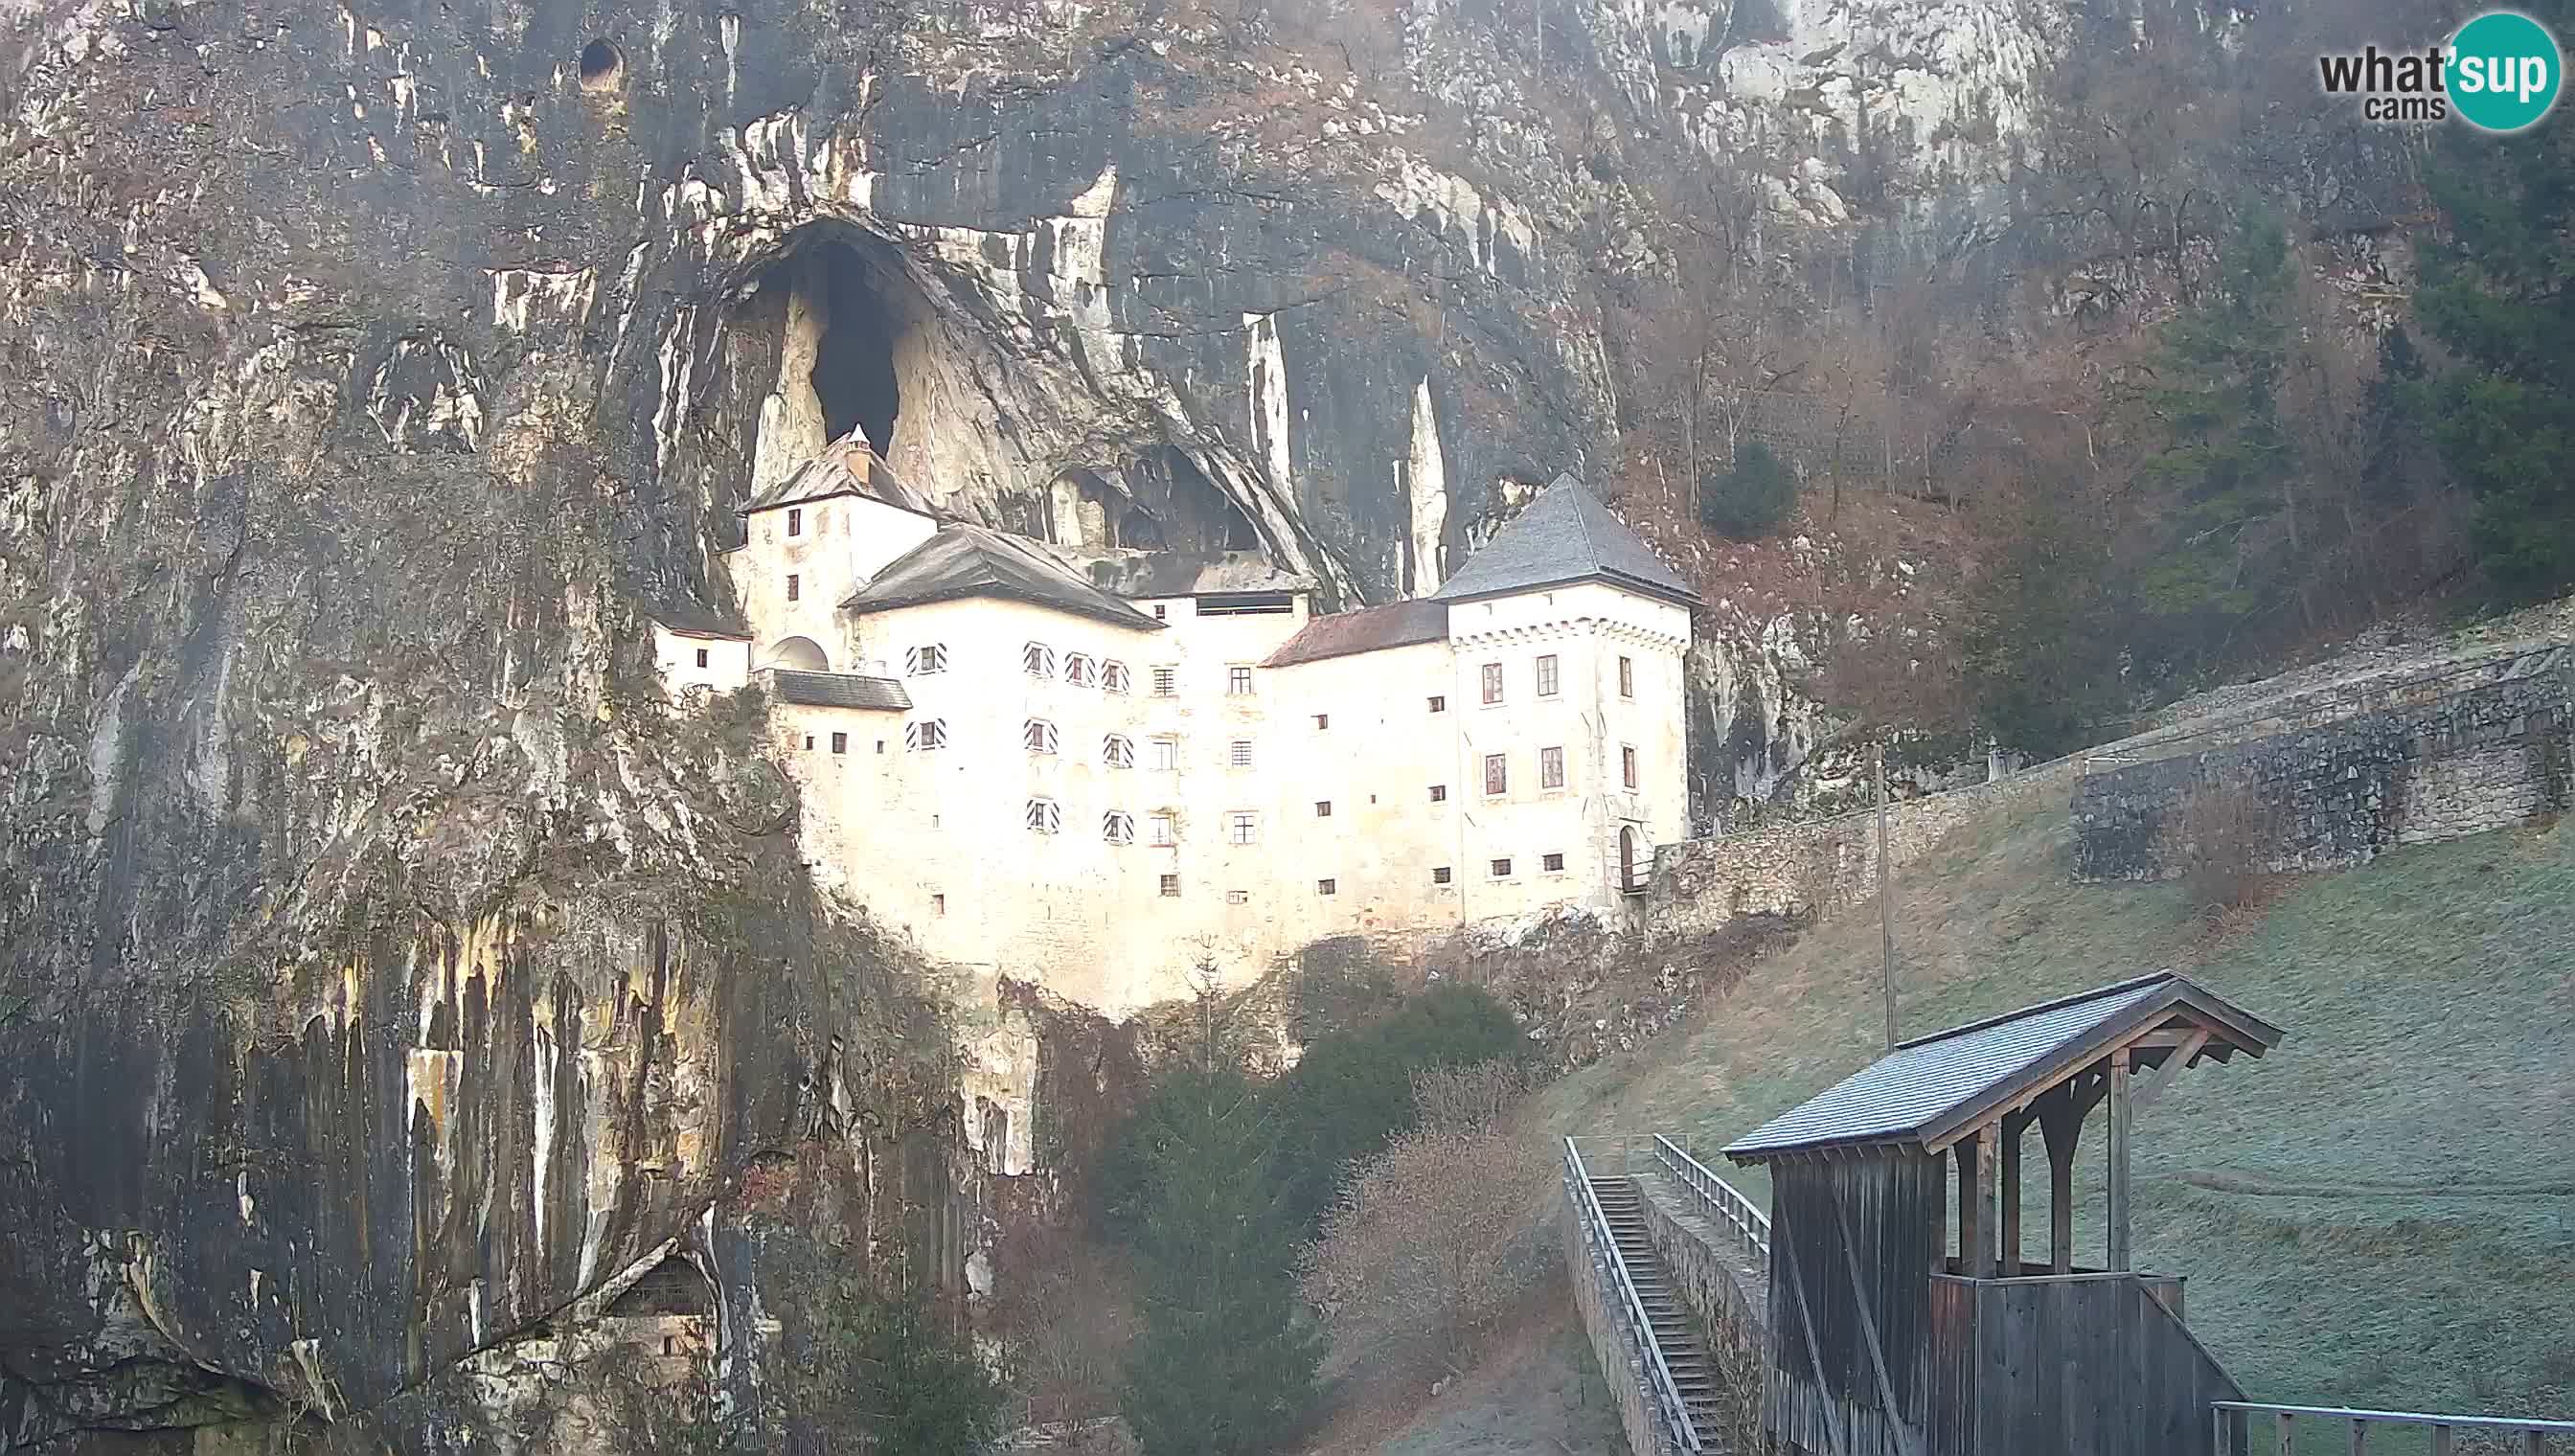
x: 2379, y: 1213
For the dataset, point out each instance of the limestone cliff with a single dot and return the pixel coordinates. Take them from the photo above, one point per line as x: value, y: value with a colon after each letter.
x: 383, y: 969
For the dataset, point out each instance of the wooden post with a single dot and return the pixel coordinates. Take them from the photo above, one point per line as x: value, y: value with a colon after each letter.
x: 1970, y: 1228
x: 1986, y: 1170
x: 2118, y: 1258
x: 2360, y: 1438
x: 2440, y: 1441
x: 2288, y: 1434
x: 2060, y: 1123
x: 2014, y: 1126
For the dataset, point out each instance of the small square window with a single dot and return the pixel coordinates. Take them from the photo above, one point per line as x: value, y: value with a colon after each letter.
x: 1554, y: 864
x: 840, y: 743
x: 1242, y: 829
x: 1161, y: 611
x: 809, y: 740
x: 1166, y: 754
x: 1238, y: 681
x: 1497, y: 774
x: 1171, y: 886
x: 922, y: 660
x: 1493, y: 682
x: 1626, y: 677
x: 1325, y: 887
x: 1439, y: 876
x: 1240, y: 754
x: 1166, y: 681
x: 795, y: 588
x: 1627, y: 764
x: 1551, y: 767
x: 1547, y: 675
x: 1501, y: 869
x: 1322, y: 720
x: 1438, y: 704
x: 702, y: 657
x: 1161, y: 828
x: 1238, y: 896
x: 1323, y: 808
x: 1438, y: 794
x: 795, y: 522
x: 938, y: 904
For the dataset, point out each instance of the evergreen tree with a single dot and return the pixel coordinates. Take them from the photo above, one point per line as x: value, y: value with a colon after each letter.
x: 1749, y: 498
x: 889, y: 1367
x: 2040, y: 653
x: 1225, y: 1364
x: 2500, y: 295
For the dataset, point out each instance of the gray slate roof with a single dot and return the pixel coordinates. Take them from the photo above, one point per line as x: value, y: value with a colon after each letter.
x: 1922, y: 1093
x: 1563, y: 536
x: 848, y: 465
x: 688, y: 618
x: 842, y: 690
x: 1397, y: 625
x: 962, y: 560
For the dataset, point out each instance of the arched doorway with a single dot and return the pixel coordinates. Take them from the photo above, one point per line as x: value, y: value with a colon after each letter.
x: 799, y: 653
x: 1628, y: 879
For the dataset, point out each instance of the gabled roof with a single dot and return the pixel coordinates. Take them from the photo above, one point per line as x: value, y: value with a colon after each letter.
x: 1563, y: 536
x: 1397, y: 625
x: 1928, y: 1093
x: 962, y: 561
x: 841, y: 690
x: 688, y: 618
x: 845, y: 466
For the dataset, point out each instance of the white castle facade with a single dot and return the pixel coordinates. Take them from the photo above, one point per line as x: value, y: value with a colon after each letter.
x: 1097, y: 772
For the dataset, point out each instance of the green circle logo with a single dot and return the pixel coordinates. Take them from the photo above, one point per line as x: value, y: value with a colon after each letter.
x: 2503, y: 72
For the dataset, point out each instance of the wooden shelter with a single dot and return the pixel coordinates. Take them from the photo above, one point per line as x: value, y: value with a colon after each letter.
x: 1884, y: 1340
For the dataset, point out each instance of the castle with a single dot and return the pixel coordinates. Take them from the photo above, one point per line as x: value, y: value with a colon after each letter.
x: 1096, y: 770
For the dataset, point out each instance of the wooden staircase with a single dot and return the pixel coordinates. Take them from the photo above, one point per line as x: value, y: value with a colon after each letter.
x: 1675, y: 1336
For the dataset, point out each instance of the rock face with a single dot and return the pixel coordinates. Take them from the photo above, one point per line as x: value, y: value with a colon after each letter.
x: 382, y: 968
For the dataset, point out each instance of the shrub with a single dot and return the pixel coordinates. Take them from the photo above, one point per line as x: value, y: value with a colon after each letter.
x: 2229, y: 838
x: 1749, y: 499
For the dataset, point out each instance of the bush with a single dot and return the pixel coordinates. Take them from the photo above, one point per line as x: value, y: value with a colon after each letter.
x: 1751, y: 498
x: 890, y: 1368
x: 2230, y: 836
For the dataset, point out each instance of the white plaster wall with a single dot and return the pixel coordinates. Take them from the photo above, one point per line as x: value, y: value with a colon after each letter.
x: 675, y: 654
x: 1375, y: 761
x: 843, y: 543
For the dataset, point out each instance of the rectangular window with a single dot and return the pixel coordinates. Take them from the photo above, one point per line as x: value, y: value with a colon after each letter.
x: 1438, y: 704
x: 1627, y: 764
x: 1493, y: 682
x: 1118, y: 827
x: 1323, y: 721
x: 1238, y: 896
x: 1554, y: 863
x: 1171, y: 886
x: 1547, y: 675
x: 925, y: 660
x: 879, y: 746
x: 1626, y: 677
x: 938, y: 904
x: 1161, y: 828
x: 927, y: 735
x: 1551, y: 767
x: 1497, y: 774
x: 809, y: 742
x: 1242, y: 828
x: 1037, y: 736
x: 1118, y: 750
x: 702, y: 657
x: 1438, y: 794
x: 1037, y: 659
x: 1238, y: 681
x: 795, y: 588
x: 1161, y: 611
x: 1439, y: 876
x: 1043, y: 816
x: 1325, y: 887
x: 1079, y: 672
x: 840, y: 743
x: 1501, y: 869
x: 1166, y: 681
x: 1113, y: 677
x: 1166, y: 754
x: 795, y: 522
x: 1323, y: 808
x: 1239, y: 755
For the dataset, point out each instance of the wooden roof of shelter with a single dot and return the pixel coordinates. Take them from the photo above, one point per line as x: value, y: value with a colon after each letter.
x: 1930, y: 1092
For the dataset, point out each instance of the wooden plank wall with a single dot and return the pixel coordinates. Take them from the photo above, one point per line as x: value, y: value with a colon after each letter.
x: 2089, y: 1365
x: 1852, y: 1247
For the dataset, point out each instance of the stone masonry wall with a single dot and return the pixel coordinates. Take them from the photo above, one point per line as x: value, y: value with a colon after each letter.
x: 1720, y: 1277
x: 1809, y: 867
x: 2338, y: 793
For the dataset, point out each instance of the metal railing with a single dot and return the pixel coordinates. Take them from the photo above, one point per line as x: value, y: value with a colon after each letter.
x: 1721, y: 1199
x: 1596, y: 1222
x: 2233, y: 1424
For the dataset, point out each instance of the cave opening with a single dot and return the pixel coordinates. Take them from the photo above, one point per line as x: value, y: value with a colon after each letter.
x: 853, y: 374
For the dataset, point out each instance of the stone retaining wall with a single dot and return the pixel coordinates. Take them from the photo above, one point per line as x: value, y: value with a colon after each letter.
x: 1709, y: 1265
x: 1813, y: 866
x: 2490, y: 754
x: 1614, y: 1342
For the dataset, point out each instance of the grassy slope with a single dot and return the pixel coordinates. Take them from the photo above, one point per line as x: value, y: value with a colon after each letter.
x: 2380, y: 1212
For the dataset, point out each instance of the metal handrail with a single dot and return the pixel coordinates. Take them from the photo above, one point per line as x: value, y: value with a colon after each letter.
x: 1595, y: 1222
x: 2533, y: 1432
x: 1721, y: 1197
